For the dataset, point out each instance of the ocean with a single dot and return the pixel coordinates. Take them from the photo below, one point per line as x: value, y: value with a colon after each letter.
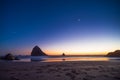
x: 64, y: 58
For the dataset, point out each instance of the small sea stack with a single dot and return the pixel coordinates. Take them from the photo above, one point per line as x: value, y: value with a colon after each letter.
x: 36, y: 51
x: 63, y: 54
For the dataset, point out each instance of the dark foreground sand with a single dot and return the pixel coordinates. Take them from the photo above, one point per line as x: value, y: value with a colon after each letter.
x: 60, y: 70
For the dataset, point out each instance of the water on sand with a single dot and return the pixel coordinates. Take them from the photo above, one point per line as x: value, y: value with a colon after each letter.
x: 64, y: 58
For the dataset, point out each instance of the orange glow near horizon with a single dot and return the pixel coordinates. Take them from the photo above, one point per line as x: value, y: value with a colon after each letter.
x: 75, y: 53
x: 91, y: 47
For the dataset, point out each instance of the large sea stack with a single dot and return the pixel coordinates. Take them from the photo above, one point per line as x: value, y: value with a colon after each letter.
x: 114, y: 54
x: 37, y: 52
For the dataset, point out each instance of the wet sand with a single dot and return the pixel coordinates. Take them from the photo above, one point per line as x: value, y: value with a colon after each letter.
x: 80, y: 70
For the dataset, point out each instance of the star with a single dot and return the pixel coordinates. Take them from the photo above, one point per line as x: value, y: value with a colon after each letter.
x: 78, y: 20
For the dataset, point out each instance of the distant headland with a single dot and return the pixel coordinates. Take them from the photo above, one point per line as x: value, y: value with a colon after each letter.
x: 116, y: 53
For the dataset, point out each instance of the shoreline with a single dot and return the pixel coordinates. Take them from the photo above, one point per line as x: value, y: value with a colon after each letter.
x: 64, y: 59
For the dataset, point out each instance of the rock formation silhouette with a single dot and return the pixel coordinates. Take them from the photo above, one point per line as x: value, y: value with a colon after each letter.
x: 114, y: 54
x: 9, y: 56
x: 63, y: 54
x: 37, y: 52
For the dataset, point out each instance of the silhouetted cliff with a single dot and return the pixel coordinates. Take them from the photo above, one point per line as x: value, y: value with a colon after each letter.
x: 114, y: 54
x: 37, y: 52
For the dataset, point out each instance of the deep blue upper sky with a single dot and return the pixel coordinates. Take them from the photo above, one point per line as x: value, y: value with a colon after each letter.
x: 55, y: 25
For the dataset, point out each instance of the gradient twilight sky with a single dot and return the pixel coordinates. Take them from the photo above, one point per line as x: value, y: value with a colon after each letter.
x: 57, y: 26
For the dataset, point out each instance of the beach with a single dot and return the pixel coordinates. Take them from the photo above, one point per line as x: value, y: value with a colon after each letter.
x: 71, y: 70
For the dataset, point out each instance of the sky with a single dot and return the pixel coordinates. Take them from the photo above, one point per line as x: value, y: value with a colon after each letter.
x: 73, y: 27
